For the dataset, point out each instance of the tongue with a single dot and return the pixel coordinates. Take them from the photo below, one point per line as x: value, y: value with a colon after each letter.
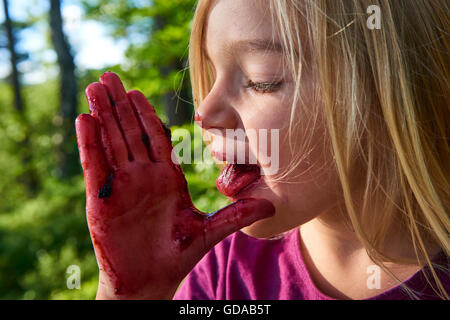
x: 235, y: 177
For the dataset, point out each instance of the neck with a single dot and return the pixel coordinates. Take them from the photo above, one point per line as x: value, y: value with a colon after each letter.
x: 330, y: 236
x: 338, y: 261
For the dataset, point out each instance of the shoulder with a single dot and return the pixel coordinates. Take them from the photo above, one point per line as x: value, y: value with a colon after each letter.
x: 422, y: 285
x: 424, y: 282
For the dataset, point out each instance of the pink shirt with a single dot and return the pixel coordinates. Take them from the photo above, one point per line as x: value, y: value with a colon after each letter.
x: 243, y: 268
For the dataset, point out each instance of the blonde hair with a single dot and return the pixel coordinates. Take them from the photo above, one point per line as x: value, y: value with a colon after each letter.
x: 385, y: 98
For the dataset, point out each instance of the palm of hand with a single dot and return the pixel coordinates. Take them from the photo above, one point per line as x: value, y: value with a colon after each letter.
x: 145, y: 230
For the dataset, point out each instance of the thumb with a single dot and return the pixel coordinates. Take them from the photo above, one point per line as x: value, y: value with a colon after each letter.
x: 239, y: 214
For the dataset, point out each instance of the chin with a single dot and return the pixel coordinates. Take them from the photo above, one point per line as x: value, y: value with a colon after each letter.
x: 272, y: 226
x: 264, y: 229
x: 285, y: 218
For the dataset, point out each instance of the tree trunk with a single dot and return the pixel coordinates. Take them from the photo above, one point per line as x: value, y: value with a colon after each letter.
x: 67, y: 151
x: 18, y: 101
x: 178, y: 111
x: 28, y: 175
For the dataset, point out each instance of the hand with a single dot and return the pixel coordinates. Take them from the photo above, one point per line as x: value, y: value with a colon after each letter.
x: 147, y: 235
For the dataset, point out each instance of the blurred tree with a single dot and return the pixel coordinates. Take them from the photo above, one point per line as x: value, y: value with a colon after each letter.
x: 157, y: 33
x: 177, y: 111
x: 28, y: 175
x: 67, y: 154
x: 18, y: 101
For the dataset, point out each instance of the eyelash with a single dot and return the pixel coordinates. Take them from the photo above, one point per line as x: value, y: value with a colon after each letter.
x: 264, y: 87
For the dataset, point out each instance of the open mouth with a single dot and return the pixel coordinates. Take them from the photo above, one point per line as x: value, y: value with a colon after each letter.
x: 235, y: 177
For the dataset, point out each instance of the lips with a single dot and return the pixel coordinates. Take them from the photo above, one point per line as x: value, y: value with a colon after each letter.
x: 235, y: 177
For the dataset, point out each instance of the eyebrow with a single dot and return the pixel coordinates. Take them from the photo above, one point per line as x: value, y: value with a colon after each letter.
x: 252, y: 45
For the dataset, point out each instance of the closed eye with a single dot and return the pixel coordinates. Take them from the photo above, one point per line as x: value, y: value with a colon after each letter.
x: 264, y: 87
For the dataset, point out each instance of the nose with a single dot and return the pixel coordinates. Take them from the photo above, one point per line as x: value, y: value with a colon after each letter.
x: 216, y: 111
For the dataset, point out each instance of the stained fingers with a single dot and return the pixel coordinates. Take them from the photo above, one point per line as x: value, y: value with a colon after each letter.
x: 130, y: 129
x: 126, y: 117
x: 159, y: 142
x: 110, y: 133
x: 93, y: 161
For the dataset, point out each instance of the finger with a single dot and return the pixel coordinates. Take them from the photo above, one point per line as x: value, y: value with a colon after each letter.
x: 93, y: 161
x: 111, y: 137
x: 159, y: 144
x: 126, y: 116
x: 234, y: 217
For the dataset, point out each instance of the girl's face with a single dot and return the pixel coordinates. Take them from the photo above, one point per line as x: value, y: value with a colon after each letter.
x: 253, y: 89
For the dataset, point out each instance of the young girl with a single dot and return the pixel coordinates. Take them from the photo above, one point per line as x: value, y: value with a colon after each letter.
x: 358, y: 207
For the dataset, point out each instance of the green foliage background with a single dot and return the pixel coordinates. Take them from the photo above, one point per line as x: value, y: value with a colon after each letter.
x: 42, y: 235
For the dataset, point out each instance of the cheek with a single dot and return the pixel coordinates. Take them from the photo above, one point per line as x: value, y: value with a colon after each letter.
x: 265, y: 119
x: 304, y: 191
x: 307, y: 190
x: 313, y: 183
x: 268, y: 110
